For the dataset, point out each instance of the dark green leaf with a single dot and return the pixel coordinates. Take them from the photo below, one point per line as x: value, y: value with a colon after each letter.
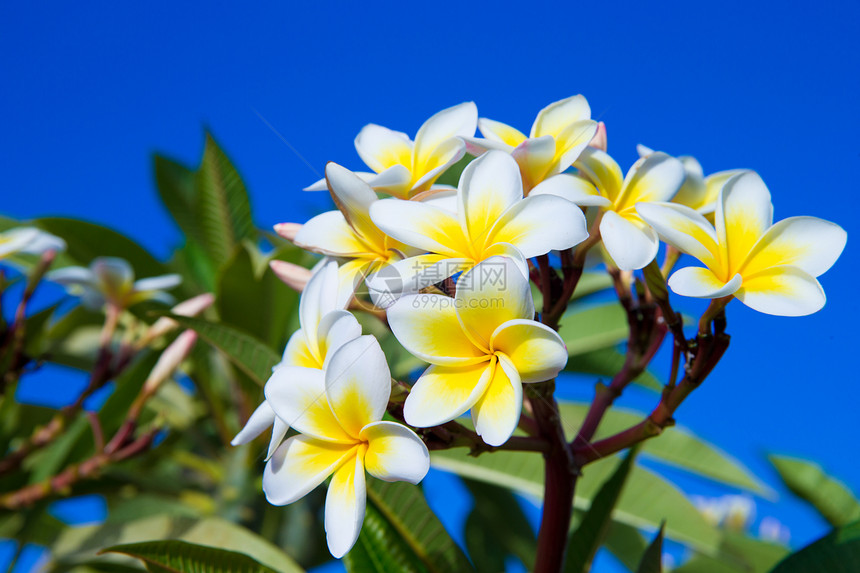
x: 183, y: 557
x: 626, y: 544
x: 380, y: 549
x: 738, y: 552
x: 833, y: 500
x: 249, y: 354
x: 452, y: 174
x: 176, y: 188
x: 588, y: 537
x: 837, y: 552
x: 652, y: 560
x: 496, y: 528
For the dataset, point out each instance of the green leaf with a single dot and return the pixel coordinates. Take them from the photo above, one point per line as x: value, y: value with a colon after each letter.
x: 404, y: 508
x: 833, y: 500
x: 224, y: 210
x: 626, y: 544
x: 246, y: 352
x: 647, y: 500
x: 590, y: 283
x: 652, y: 560
x: 496, y: 528
x: 584, y: 542
x: 86, y: 241
x: 594, y: 328
x: 837, y: 552
x: 452, y: 174
x: 184, y: 557
x: 380, y: 549
x: 676, y: 446
x: 738, y: 552
x: 607, y: 362
x: 175, y: 184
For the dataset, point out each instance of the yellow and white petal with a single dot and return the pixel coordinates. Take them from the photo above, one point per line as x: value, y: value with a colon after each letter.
x: 435, y: 164
x: 683, y: 228
x: 329, y: 234
x: 570, y: 143
x: 421, y: 225
x: 699, y: 282
x: 808, y: 243
x: 782, y: 291
x: 380, y: 147
x: 575, y: 189
x: 336, y: 329
x: 744, y: 213
x: 598, y: 167
x: 396, y: 181
x: 394, y: 453
x: 353, y: 198
x: 298, y: 397
x: 260, y: 420
x: 713, y: 185
x: 632, y: 245
x: 358, y: 384
x: 299, y: 465
x: 428, y: 327
x: 657, y: 177
x: 499, y: 132
x: 491, y: 293
x: 442, y: 196
x: 536, y: 351
x: 444, y: 392
x: 114, y: 275
x: 538, y: 225
x: 508, y: 251
x: 319, y: 298
x: 535, y: 158
x: 693, y: 193
x: 298, y: 353
x: 457, y: 121
x: 345, y: 504
x: 410, y: 275
x: 555, y: 117
x: 497, y: 412
x: 488, y: 187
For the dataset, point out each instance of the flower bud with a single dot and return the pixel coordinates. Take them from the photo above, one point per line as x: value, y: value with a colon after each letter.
x: 599, y: 140
x: 191, y: 307
x: 295, y: 276
x: 288, y: 230
x: 169, y: 361
x: 655, y: 281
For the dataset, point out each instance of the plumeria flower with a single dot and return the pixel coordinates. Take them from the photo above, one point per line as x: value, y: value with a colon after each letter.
x: 28, y: 240
x: 558, y: 136
x: 492, y: 218
x: 482, y: 345
x: 770, y: 268
x: 630, y: 241
x: 110, y: 280
x: 404, y: 168
x: 325, y: 327
x: 698, y: 192
x: 349, y: 233
x: 339, y: 416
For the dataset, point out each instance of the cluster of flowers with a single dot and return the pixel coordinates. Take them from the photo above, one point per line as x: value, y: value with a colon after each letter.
x: 522, y: 197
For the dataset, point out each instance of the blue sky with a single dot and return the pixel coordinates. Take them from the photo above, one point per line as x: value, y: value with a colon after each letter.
x: 89, y: 93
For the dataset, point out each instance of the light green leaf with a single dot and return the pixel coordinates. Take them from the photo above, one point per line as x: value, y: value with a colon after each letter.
x: 738, y: 552
x: 593, y: 328
x: 606, y: 363
x: 183, y: 557
x: 837, y: 552
x: 249, y: 354
x: 833, y: 500
x: 590, y: 283
x: 587, y: 538
x: 676, y: 446
x: 380, y: 549
x: 652, y: 560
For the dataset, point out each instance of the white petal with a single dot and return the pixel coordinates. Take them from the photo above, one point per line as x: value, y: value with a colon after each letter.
x: 410, y: 275
x: 336, y: 329
x: 782, y: 291
x: 630, y: 246
x: 358, y: 383
x: 570, y: 143
x: 298, y: 397
x: 318, y: 299
x: 488, y: 187
x: 657, y: 177
x: 443, y: 157
x: 808, y: 243
x: 73, y: 276
x: 702, y: 283
x: 575, y: 189
x: 279, y: 430
x: 262, y: 419
x: 537, y: 225
x: 344, y: 507
x: 299, y: 465
x: 396, y: 180
x: 643, y: 150
x: 329, y: 234
x: 43, y: 242
x: 164, y: 282
x: 497, y: 412
x: 536, y: 351
x: 440, y: 196
x: 477, y: 146
x: 683, y: 228
x: 319, y: 185
x: 552, y: 119
x: 114, y: 274
x: 444, y: 392
x: 744, y: 213
x: 353, y: 198
x: 380, y: 147
x: 395, y: 453
x: 14, y: 240
x: 458, y: 121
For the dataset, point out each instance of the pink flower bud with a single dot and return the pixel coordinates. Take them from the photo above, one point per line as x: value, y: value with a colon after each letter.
x: 191, y: 307
x: 169, y: 361
x: 288, y: 230
x: 295, y: 276
x: 599, y: 139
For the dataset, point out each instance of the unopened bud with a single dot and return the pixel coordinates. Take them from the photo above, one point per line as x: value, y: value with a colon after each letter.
x: 191, y: 307
x: 599, y: 140
x: 288, y: 230
x: 655, y: 281
x: 169, y: 361
x: 295, y: 276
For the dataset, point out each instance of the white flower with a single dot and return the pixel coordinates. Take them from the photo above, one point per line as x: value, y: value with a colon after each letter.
x: 339, y: 416
x: 111, y: 280
x: 28, y: 240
